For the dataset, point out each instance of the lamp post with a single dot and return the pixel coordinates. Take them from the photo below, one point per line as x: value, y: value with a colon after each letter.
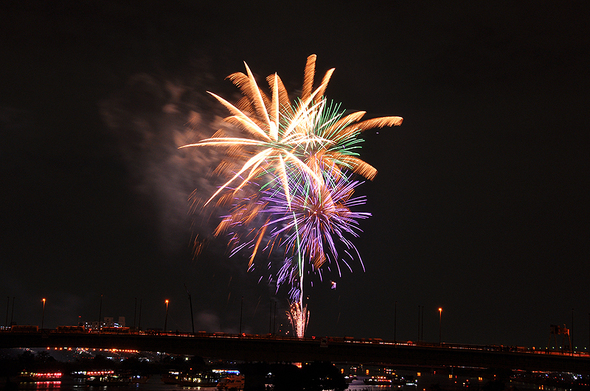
x: 419, y: 323
x: 43, y: 313
x: 12, y: 311
x: 166, y: 319
x: 7, y: 307
x: 572, y: 334
x: 439, y: 325
x: 190, y: 302
x: 272, y: 317
x: 395, y: 322
x: 241, y: 311
x: 135, y: 314
x: 139, y: 319
x: 100, y: 314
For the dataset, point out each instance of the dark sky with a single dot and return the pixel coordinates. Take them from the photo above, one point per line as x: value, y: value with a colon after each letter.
x: 481, y: 204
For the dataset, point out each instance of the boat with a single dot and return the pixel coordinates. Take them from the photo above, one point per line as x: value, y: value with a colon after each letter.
x: 37, y: 380
x: 388, y: 380
x: 115, y: 379
x: 231, y: 382
x: 38, y: 377
x: 191, y: 379
x: 108, y: 380
x: 83, y: 374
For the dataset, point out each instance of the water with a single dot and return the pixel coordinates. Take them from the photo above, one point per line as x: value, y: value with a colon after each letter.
x: 154, y: 383
x: 424, y: 382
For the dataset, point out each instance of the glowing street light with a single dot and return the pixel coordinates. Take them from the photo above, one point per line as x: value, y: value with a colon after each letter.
x: 43, y: 313
x: 166, y: 319
x: 439, y: 325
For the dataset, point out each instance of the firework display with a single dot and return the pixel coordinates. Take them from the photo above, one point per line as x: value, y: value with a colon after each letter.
x: 292, y: 192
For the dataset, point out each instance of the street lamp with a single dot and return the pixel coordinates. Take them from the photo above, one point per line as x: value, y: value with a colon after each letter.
x: 135, y: 314
x: 166, y: 320
x: 100, y: 314
x: 439, y: 325
x: 43, y: 313
x: 395, y: 323
x: 241, y: 311
x: 7, y: 307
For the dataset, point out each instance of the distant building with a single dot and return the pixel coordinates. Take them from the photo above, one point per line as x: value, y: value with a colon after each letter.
x: 108, y: 321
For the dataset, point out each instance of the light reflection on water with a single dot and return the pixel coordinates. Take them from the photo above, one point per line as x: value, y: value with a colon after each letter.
x: 154, y: 383
x: 424, y: 383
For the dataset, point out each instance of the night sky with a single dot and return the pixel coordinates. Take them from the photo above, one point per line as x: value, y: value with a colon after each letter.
x: 480, y: 206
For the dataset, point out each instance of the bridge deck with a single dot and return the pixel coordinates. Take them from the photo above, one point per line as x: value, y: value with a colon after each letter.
x: 252, y: 348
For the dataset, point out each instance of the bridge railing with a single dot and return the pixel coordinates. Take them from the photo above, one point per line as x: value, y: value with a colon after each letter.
x: 323, y: 340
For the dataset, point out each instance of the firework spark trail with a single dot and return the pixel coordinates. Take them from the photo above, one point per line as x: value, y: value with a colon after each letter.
x: 304, y: 149
x: 312, y: 228
x: 316, y: 219
x: 299, y: 135
x: 299, y: 317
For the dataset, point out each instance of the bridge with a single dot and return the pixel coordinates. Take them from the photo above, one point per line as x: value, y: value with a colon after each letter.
x: 272, y: 348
